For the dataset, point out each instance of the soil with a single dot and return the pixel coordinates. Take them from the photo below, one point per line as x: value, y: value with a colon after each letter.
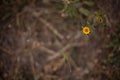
x: 33, y: 43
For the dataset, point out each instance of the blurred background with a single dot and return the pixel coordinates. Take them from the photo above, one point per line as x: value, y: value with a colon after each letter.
x: 43, y: 40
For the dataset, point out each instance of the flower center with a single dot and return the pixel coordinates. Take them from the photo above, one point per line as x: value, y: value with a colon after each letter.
x: 86, y: 30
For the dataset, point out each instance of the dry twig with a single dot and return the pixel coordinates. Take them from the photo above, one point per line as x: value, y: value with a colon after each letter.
x: 63, y: 50
x: 50, y: 26
x: 45, y: 22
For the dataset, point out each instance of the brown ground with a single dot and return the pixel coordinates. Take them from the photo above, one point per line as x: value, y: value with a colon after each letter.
x: 36, y: 40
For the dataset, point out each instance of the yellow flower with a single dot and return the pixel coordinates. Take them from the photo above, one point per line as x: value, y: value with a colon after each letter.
x: 99, y: 19
x: 86, y: 30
